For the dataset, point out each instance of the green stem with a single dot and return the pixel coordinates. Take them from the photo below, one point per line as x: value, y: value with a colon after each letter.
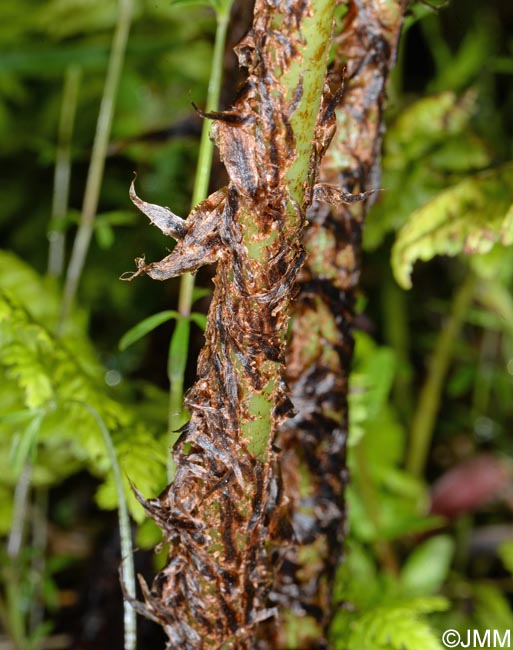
x: 125, y: 533
x: 39, y: 547
x: 98, y: 156
x: 483, y: 381
x: 20, y: 508
x: 176, y: 374
x: 62, y: 172
x: 430, y: 394
x: 15, y: 609
x: 397, y: 336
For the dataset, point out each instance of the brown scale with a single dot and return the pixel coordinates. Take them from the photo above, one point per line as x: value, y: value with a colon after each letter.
x: 313, y: 443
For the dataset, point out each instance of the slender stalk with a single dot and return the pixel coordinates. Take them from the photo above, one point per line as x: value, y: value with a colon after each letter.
x: 395, y: 310
x: 97, y: 165
x: 74, y: 272
x: 430, y: 394
x: 214, y: 90
x: 15, y: 613
x: 21, y: 498
x: 62, y: 172
x: 125, y: 533
x: 483, y: 381
x: 177, y: 413
x: 39, y: 545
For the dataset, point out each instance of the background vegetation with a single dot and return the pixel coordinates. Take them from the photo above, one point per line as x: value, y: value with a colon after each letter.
x: 430, y: 543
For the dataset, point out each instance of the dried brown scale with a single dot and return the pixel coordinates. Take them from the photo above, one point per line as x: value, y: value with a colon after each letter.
x: 225, y: 505
x: 321, y: 345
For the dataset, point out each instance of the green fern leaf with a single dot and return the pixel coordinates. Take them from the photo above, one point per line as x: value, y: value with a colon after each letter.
x: 397, y: 627
x: 60, y: 378
x: 468, y: 218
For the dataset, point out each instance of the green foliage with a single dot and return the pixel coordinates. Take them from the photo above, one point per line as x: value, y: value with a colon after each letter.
x: 394, y: 627
x: 491, y: 607
x: 469, y: 218
x: 427, y: 567
x: 428, y: 147
x: 145, y: 327
x: 380, y: 612
x: 371, y: 381
x: 47, y: 385
x: 378, y: 442
x: 149, y: 324
x: 506, y: 555
x: 219, y: 6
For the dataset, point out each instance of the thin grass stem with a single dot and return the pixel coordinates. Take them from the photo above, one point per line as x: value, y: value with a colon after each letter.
x: 424, y: 418
x: 62, y: 173
x: 98, y: 156
x: 125, y: 533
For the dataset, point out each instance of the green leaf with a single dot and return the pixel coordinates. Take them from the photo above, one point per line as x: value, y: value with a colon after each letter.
x: 191, y: 3
x: 398, y: 481
x: 429, y: 147
x: 62, y: 18
x: 199, y: 319
x: 371, y: 381
x: 146, y: 326
x: 506, y: 555
x: 427, y: 122
x: 357, y: 580
x: 467, y: 64
x: 116, y: 218
x: 460, y: 154
x: 495, y: 266
x: 492, y: 609
x: 104, y: 226
x: 148, y: 535
x: 396, y: 627
x: 497, y: 299
x: 219, y: 6
x: 17, y: 417
x: 142, y: 459
x: 26, y: 366
x: 56, y: 377
x: 104, y: 235
x: 468, y: 218
x: 427, y: 566
x: 200, y: 292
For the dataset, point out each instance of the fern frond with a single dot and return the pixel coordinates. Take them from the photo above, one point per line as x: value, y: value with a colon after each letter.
x: 63, y: 377
x: 400, y: 626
